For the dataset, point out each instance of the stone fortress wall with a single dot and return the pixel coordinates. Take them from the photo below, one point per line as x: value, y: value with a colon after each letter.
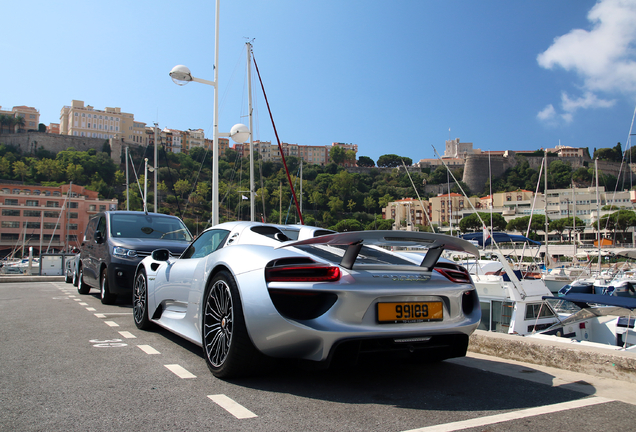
x: 478, y: 166
x: 30, y: 142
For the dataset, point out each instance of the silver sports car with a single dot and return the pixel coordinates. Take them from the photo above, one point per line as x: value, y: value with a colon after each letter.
x: 248, y: 291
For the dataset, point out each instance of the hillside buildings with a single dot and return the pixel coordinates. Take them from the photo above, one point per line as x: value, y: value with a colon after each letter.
x: 446, y: 210
x: 29, y: 115
x: 46, y: 218
x: 86, y: 121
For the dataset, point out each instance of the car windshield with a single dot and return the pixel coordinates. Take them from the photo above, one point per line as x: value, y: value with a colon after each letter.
x: 148, y: 226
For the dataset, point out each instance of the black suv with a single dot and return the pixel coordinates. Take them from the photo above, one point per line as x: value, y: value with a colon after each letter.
x: 115, y: 242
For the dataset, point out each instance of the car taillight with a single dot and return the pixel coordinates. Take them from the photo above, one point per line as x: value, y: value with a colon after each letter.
x: 453, y: 275
x: 302, y: 273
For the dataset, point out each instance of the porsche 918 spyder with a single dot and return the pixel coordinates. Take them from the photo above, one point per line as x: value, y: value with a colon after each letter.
x: 247, y: 291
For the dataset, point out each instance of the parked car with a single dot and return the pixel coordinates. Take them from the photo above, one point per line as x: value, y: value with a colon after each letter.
x: 70, y: 264
x: 116, y: 241
x: 244, y: 291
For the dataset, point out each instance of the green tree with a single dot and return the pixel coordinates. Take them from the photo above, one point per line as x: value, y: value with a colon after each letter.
x: 5, y: 167
x: 565, y: 224
x: 337, y: 155
x: 393, y: 160
x: 351, y: 205
x: 385, y: 200
x: 335, y: 204
x: 350, y: 157
x: 19, y: 122
x: 369, y: 203
x: 619, y: 221
x: 365, y: 161
x: 316, y: 198
x: 203, y: 189
x: 472, y: 222
x: 521, y: 224
x: 182, y: 187
x: 348, y: 225
x: 75, y: 173
x: 20, y: 169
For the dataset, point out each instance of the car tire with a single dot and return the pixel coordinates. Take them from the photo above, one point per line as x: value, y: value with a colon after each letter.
x: 227, y: 348
x: 75, y: 278
x: 140, y: 301
x: 82, y: 287
x: 67, y: 278
x: 106, y: 296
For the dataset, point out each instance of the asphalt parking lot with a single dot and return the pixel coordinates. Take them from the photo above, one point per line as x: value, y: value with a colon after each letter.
x: 68, y: 362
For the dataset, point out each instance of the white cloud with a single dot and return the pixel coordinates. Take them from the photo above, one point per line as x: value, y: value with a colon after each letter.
x: 589, y: 100
x: 547, y: 114
x: 604, y: 57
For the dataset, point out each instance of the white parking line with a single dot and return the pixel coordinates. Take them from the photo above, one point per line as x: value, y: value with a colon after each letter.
x: 100, y: 315
x: 91, y: 309
x: 238, y: 411
x: 111, y: 323
x: 127, y: 335
x: 514, y: 415
x: 83, y: 304
x: 77, y: 300
x: 179, y: 371
x: 148, y: 349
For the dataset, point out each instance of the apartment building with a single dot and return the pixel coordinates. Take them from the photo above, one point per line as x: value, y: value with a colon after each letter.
x: 450, y: 208
x: 86, y: 121
x: 317, y: 155
x: 46, y: 218
x: 30, y: 115
x: 582, y: 202
x: 193, y: 138
x: 407, y: 213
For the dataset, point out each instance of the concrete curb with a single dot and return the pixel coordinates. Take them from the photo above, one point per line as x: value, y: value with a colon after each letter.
x: 601, y: 362
x: 23, y: 278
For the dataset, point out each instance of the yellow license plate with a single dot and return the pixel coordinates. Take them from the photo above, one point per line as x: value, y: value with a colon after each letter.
x: 411, y: 312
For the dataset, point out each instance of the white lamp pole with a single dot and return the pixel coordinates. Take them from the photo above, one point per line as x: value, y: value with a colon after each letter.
x: 156, y: 168
x: 215, y: 136
x: 145, y: 184
x: 240, y: 133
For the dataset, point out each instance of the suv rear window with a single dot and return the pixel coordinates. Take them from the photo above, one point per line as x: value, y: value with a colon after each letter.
x: 368, y: 255
x: 148, y: 226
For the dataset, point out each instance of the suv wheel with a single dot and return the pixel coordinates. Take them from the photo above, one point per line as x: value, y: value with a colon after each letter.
x: 107, y: 297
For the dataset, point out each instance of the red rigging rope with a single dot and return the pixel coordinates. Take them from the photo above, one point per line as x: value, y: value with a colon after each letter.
x: 280, y: 148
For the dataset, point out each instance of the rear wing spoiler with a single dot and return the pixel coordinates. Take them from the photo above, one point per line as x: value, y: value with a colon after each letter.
x: 436, y: 244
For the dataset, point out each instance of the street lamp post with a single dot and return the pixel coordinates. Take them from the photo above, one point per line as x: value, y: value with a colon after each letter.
x: 181, y: 75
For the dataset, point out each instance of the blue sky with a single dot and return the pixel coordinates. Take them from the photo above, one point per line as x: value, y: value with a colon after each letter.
x: 392, y: 77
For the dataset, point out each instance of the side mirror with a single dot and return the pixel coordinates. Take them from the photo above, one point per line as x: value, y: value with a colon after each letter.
x: 98, y: 237
x: 161, y: 255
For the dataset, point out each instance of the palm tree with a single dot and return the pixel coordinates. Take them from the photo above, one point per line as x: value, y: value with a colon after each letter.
x: 19, y: 122
x: 4, y: 120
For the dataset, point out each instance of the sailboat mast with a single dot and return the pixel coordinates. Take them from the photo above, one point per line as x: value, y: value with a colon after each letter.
x: 547, y: 259
x: 598, y: 217
x: 574, y: 215
x: 301, y: 185
x: 249, y: 98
